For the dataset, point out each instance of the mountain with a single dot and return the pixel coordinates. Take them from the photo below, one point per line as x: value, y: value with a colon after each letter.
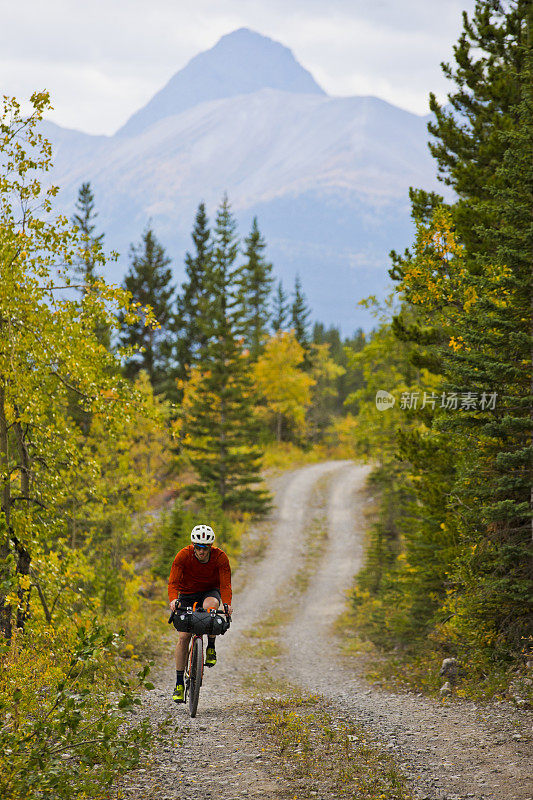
x: 327, y: 177
x: 242, y: 62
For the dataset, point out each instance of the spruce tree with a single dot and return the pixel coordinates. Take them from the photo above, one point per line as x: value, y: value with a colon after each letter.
x: 351, y: 379
x: 191, y: 307
x: 300, y: 315
x: 148, y: 280
x: 495, y: 481
x: 468, y: 142
x: 255, y: 287
x: 280, y: 310
x: 85, y: 270
x: 220, y: 428
x: 84, y: 219
x: 467, y: 319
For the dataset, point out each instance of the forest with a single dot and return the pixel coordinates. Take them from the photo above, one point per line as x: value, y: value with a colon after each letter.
x: 130, y: 413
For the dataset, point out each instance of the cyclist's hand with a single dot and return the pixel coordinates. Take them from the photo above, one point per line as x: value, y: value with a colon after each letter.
x: 230, y: 609
x: 173, y: 604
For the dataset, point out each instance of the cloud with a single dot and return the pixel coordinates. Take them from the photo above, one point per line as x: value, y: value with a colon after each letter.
x: 102, y: 61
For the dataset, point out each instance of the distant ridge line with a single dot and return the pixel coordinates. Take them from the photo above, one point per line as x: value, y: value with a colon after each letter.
x: 241, y: 62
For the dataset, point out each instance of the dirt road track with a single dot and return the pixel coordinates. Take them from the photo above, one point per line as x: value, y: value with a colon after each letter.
x: 450, y: 752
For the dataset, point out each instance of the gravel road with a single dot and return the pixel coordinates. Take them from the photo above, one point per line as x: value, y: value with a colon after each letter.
x: 450, y: 752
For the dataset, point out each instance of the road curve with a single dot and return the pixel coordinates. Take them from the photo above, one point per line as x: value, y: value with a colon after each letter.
x: 450, y: 753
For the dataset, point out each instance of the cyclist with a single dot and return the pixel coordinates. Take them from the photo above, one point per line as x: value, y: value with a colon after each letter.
x: 200, y: 574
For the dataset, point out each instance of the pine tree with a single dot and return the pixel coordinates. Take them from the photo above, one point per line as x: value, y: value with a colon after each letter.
x: 468, y: 142
x: 148, y: 280
x: 220, y: 429
x: 255, y: 286
x: 495, y: 354
x: 191, y: 307
x: 84, y: 221
x: 300, y: 315
x: 466, y: 558
x: 280, y: 312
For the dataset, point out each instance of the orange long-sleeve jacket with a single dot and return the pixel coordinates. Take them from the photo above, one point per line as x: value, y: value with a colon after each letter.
x: 188, y: 575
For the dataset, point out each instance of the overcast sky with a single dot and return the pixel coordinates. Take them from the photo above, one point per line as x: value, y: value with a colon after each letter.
x: 102, y: 60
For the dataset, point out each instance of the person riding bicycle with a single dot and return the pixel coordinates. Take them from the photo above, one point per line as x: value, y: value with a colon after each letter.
x: 200, y: 574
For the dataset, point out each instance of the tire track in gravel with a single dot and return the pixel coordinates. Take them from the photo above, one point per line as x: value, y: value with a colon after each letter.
x: 219, y: 754
x: 449, y: 752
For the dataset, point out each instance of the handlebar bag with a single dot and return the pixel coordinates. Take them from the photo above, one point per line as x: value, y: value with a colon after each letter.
x: 200, y: 622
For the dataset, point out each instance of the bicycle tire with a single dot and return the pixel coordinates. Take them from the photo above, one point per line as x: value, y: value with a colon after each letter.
x: 195, y: 675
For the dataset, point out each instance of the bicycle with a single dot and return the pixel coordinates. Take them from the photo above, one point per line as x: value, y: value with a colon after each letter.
x: 194, y: 668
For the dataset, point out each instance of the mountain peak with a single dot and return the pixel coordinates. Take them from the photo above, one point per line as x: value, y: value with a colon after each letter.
x: 241, y: 62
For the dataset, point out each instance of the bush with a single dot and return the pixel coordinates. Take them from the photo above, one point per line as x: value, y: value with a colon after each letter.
x: 65, y: 697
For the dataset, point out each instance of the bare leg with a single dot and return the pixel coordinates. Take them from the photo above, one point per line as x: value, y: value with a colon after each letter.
x: 182, y: 647
x: 211, y: 602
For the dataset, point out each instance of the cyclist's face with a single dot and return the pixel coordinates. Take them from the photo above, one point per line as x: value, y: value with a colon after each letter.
x: 202, y: 552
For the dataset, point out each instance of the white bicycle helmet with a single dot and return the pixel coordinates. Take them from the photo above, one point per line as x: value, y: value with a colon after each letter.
x: 202, y: 534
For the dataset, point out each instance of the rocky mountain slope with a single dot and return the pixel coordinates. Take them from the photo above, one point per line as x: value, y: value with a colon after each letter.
x: 328, y: 177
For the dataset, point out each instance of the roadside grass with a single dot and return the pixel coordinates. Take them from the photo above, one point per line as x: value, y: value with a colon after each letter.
x: 280, y: 456
x: 350, y: 642
x: 315, y: 546
x: 254, y: 543
x: 263, y: 683
x: 419, y: 672
x: 261, y: 639
x: 325, y: 757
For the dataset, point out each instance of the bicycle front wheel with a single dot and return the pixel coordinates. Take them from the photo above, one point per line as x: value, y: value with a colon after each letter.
x: 195, y: 674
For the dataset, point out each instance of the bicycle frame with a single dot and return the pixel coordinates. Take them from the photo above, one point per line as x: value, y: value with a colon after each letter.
x: 195, y: 664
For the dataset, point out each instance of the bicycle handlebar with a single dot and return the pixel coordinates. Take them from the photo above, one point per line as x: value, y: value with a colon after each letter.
x: 217, y: 611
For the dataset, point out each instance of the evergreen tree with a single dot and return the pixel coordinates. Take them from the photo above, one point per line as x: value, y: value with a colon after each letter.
x: 148, y: 281
x: 300, y: 315
x: 486, y: 349
x: 191, y: 307
x: 467, y: 319
x: 280, y: 312
x: 349, y: 379
x: 85, y: 270
x: 219, y: 424
x: 469, y: 139
x: 255, y: 286
x: 496, y: 594
x: 352, y: 379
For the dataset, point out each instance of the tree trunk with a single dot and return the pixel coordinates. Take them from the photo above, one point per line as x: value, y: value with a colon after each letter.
x: 4, y: 455
x: 5, y: 546
x: 23, y: 568
x: 42, y: 598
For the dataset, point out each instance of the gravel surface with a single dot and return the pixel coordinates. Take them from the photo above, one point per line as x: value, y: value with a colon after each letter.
x: 450, y: 752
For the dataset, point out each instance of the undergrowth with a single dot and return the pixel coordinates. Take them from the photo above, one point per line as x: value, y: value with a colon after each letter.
x: 417, y: 669
x: 286, y: 455
x: 325, y: 756
x: 68, y: 700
